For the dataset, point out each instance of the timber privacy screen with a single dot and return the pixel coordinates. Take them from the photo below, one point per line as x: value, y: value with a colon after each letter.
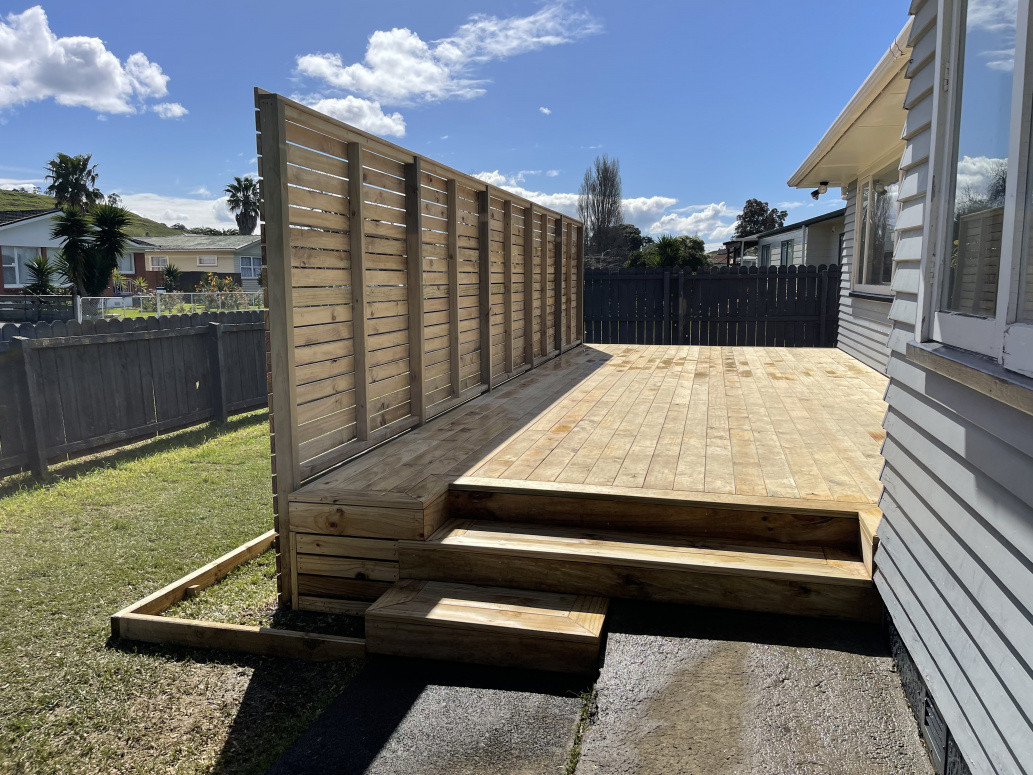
x: 779, y: 306
x: 397, y: 287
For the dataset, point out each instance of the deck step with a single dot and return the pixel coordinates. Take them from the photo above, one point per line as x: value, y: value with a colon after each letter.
x: 748, y: 576
x: 488, y: 625
x: 703, y: 516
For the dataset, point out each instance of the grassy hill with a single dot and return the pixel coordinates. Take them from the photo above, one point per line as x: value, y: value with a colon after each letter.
x: 22, y: 200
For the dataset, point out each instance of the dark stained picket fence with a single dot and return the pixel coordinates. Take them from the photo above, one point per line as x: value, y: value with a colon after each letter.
x: 795, y: 306
x: 70, y: 388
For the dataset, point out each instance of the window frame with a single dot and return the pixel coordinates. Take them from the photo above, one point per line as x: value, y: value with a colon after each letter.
x: 785, y: 257
x: 214, y: 261
x: 1000, y: 337
x: 254, y: 265
x: 863, y: 226
x: 20, y: 282
x: 764, y: 259
x: 155, y: 267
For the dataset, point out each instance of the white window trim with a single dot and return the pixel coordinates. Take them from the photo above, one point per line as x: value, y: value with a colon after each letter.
x: 866, y: 178
x: 152, y: 266
x: 215, y: 261
x: 784, y: 258
x: 1000, y: 337
x: 22, y: 281
x: 255, y: 266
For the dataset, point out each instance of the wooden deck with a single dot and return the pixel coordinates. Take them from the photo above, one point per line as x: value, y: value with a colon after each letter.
x: 722, y: 423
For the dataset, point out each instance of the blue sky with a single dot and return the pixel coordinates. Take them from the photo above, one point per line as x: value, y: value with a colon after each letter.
x: 704, y: 103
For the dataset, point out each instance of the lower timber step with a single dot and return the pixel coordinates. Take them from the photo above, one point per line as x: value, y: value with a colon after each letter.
x: 488, y: 625
x: 752, y: 577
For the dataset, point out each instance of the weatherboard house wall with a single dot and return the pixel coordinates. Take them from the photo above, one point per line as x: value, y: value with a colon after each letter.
x: 954, y: 562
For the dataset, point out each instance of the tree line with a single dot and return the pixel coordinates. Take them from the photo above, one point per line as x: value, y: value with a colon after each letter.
x: 614, y: 242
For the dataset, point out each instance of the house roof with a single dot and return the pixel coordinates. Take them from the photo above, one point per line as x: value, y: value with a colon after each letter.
x: 868, y: 128
x: 198, y: 242
x: 8, y: 217
x: 840, y: 213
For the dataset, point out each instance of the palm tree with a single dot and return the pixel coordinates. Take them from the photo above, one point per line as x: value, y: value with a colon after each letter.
x: 73, y: 181
x: 244, y: 197
x: 91, y: 246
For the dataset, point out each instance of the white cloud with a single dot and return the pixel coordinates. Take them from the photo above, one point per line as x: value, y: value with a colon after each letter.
x: 993, y: 15
x: 400, y: 68
x: 545, y: 111
x: 976, y: 172
x: 36, y: 65
x: 10, y: 184
x: 170, y: 110
x: 714, y: 222
x: 365, y: 114
x: 444, y: 137
x: 180, y: 209
x: 646, y: 209
x: 201, y: 191
x: 552, y: 173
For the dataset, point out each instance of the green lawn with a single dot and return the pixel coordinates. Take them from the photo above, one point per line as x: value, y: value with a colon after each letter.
x: 105, y: 532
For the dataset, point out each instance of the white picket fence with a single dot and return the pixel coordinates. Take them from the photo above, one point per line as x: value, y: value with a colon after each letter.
x: 158, y: 304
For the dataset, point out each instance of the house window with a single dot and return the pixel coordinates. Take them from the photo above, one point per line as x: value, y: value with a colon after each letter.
x: 983, y: 299
x: 250, y: 267
x: 207, y: 261
x: 765, y: 255
x: 157, y: 263
x: 15, y: 261
x: 126, y: 263
x: 876, y: 237
x: 786, y: 257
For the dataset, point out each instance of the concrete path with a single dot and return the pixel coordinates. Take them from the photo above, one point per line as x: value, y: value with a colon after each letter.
x: 683, y: 690
x: 404, y: 716
x: 720, y: 693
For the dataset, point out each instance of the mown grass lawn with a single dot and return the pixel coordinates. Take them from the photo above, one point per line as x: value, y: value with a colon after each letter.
x: 105, y: 532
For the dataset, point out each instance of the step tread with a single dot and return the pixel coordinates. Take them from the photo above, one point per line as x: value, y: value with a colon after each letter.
x: 549, y: 615
x: 651, y: 550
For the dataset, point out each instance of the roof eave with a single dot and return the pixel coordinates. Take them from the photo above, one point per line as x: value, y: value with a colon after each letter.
x: 879, y: 78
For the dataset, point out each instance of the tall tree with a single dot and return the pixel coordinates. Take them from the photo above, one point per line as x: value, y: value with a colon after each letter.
x: 757, y: 216
x: 599, y: 205
x: 244, y: 198
x: 72, y: 181
x: 91, y: 246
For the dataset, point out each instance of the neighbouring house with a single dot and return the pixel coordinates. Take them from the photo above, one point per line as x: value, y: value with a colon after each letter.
x: 25, y: 236
x: 238, y: 257
x: 861, y: 154
x: 955, y: 559
x: 813, y: 242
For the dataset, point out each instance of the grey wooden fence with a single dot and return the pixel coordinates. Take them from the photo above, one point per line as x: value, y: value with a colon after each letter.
x: 71, y: 388
x: 794, y: 306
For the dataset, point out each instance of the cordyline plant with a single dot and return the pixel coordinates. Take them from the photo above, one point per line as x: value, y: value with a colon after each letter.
x: 91, y: 245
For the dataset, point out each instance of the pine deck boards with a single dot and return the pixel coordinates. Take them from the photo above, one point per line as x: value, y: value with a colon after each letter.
x: 803, y: 425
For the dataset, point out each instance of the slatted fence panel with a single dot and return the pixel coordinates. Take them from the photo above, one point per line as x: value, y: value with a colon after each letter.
x: 771, y: 307
x: 397, y: 288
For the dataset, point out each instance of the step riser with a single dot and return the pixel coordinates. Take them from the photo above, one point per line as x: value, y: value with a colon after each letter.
x: 684, y: 519
x: 424, y: 642
x: 723, y: 590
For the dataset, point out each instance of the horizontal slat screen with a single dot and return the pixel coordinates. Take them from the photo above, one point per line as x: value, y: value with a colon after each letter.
x: 397, y: 287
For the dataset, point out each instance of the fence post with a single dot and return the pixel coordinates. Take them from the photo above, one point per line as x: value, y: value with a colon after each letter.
x: 216, y: 360
x: 78, y: 309
x: 34, y: 442
x: 823, y: 307
x: 665, y: 336
x: 157, y: 304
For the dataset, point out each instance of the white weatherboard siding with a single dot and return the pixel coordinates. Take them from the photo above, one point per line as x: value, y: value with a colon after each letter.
x: 955, y: 562
x: 823, y: 243
x: 864, y: 325
x: 775, y: 243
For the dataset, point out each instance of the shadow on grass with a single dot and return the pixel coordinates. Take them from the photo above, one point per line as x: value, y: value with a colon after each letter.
x: 136, y: 450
